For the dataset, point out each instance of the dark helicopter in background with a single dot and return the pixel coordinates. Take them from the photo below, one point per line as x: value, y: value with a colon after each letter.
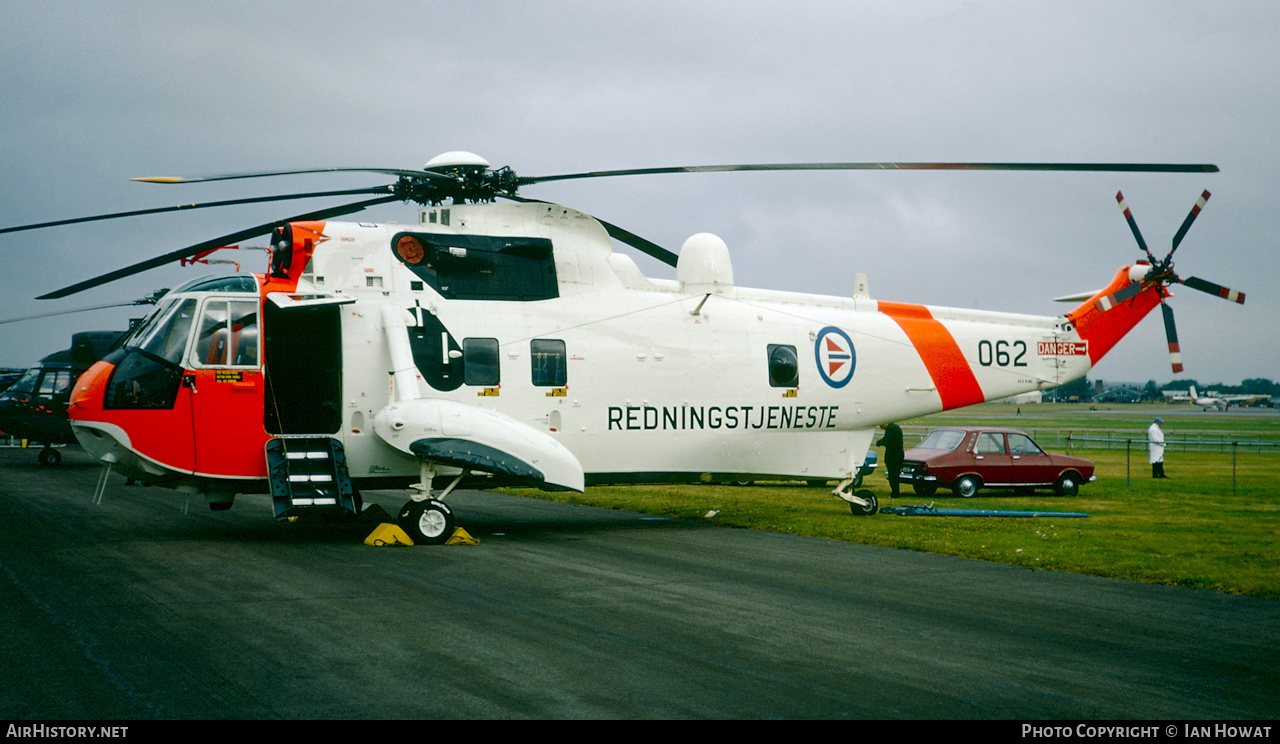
x: 33, y: 403
x: 34, y: 407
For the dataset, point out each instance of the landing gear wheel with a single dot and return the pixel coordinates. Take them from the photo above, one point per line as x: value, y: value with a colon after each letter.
x: 49, y: 456
x: 1067, y: 485
x: 865, y: 511
x: 967, y: 486
x: 427, y: 522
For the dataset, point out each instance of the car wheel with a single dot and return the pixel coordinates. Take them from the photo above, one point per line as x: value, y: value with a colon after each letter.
x: 1068, y: 484
x: 924, y: 489
x: 966, y: 486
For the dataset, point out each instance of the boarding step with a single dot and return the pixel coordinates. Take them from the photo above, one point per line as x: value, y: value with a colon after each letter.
x: 309, y: 473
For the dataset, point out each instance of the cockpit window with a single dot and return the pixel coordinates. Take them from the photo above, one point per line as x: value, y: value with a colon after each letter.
x: 166, y: 332
x: 56, y: 382
x: 148, y: 369
x: 224, y: 283
x: 228, y: 335
x: 27, y: 383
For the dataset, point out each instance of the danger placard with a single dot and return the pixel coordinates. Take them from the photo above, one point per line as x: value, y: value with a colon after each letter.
x: 1063, y: 348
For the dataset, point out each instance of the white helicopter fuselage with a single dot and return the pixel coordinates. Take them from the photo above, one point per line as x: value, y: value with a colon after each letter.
x: 671, y: 378
x: 515, y: 333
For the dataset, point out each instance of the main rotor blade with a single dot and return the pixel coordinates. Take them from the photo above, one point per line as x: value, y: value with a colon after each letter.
x: 1103, y: 167
x: 227, y: 203
x: 77, y: 310
x: 234, y: 237
x: 1133, y: 226
x: 1171, y: 335
x: 1186, y: 224
x: 267, y: 174
x: 647, y: 247
x: 1213, y: 289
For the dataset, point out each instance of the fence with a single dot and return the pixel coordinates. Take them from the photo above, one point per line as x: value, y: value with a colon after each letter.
x: 1141, y: 446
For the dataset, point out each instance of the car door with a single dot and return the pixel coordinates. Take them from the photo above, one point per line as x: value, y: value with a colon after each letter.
x: 1030, y: 463
x: 991, y: 459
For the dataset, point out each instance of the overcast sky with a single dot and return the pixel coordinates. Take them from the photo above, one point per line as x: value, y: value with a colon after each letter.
x: 97, y: 92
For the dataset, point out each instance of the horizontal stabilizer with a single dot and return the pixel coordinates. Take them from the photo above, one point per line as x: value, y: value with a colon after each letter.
x: 1078, y: 297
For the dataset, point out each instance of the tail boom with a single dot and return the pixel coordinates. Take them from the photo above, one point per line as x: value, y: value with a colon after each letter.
x: 1102, y: 320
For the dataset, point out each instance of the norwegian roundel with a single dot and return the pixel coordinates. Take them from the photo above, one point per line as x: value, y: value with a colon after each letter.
x: 835, y: 356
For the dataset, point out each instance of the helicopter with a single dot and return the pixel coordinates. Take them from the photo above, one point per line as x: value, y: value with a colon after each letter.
x: 34, y: 407
x: 496, y: 343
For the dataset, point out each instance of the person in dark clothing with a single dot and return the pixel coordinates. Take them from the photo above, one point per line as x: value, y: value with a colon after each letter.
x: 892, y: 443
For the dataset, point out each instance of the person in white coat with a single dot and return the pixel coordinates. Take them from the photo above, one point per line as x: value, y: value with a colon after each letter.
x: 1155, y: 448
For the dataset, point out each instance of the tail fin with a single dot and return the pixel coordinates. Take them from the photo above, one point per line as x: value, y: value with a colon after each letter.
x: 1104, y: 319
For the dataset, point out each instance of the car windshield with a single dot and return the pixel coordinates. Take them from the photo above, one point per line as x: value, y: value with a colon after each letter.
x: 942, y: 439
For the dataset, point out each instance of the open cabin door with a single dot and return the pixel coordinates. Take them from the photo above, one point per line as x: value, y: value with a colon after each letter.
x: 303, y: 365
x: 306, y: 462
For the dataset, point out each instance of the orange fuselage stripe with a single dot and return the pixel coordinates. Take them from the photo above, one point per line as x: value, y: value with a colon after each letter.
x: 950, y: 371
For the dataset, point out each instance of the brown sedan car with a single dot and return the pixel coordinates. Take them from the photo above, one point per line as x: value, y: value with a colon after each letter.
x: 968, y: 458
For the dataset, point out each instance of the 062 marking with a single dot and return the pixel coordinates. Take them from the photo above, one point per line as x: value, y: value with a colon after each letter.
x: 999, y: 353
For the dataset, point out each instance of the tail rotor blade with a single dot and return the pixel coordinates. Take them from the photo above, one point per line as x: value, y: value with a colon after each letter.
x: 1115, y: 298
x: 1133, y: 225
x: 1213, y: 289
x: 1171, y: 334
x: 1186, y: 224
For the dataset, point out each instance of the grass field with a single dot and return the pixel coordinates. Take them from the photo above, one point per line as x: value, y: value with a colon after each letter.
x: 1211, y: 525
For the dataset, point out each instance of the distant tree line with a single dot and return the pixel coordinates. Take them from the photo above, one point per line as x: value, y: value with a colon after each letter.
x: 1085, y: 391
x: 1251, y: 386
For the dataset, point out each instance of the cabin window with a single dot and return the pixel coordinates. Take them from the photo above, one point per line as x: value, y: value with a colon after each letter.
x: 480, y: 361
x: 548, y: 358
x: 480, y: 267
x: 784, y: 366
x: 228, y: 335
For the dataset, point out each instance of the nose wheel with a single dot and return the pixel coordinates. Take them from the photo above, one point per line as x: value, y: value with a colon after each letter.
x: 49, y: 456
